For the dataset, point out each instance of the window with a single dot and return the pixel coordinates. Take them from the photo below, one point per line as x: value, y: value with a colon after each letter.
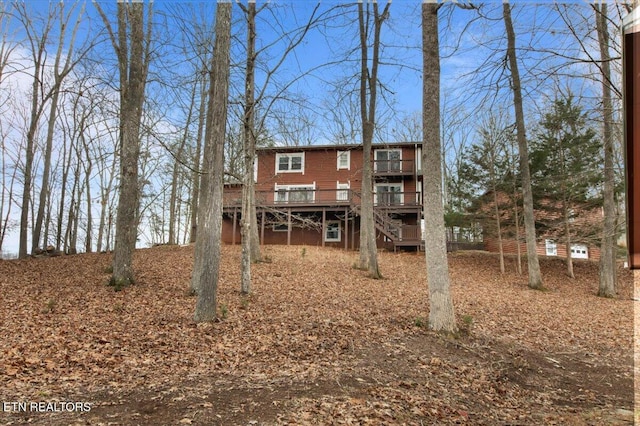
x: 342, y: 194
x: 280, y: 227
x: 344, y: 160
x: 290, y: 163
x: 389, y: 194
x: 295, y: 193
x: 388, y: 160
x: 332, y: 231
x: 551, y: 248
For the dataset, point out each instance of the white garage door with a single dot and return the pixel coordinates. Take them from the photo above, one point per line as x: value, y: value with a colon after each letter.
x: 579, y: 251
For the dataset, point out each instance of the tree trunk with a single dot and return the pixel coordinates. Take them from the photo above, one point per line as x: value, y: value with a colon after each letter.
x: 87, y: 185
x: 175, y: 173
x: 29, y: 154
x: 498, y: 225
x: 441, y: 311
x: 516, y: 208
x: 44, y: 188
x: 133, y: 60
x: 105, y: 208
x: 535, y: 276
x: 195, y: 193
x: 608, y: 270
x: 249, y: 148
x: 59, y: 75
x: 208, y: 250
x: 251, y: 133
x: 567, y: 232
x: 368, y: 98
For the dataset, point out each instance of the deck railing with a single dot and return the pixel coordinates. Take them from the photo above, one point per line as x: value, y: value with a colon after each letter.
x: 393, y: 167
x: 320, y: 197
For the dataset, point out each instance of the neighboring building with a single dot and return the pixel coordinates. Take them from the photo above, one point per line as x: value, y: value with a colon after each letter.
x: 585, y: 224
x: 311, y: 195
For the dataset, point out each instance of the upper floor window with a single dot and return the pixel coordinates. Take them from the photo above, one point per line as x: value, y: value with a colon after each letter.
x: 344, y: 160
x: 388, y: 160
x: 290, y: 162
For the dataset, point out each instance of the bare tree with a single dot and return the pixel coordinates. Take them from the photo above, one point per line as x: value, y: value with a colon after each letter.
x: 535, y: 276
x: 207, y: 251
x: 196, y: 176
x: 607, y: 286
x: 253, y: 126
x: 249, y: 227
x: 131, y: 44
x: 6, y: 191
x: 441, y: 310
x: 59, y: 75
x: 368, y: 97
x: 343, y: 114
x: 178, y: 161
x: 38, y: 43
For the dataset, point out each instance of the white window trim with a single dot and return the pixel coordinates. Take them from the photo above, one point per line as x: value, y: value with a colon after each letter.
x: 289, y: 155
x: 326, y: 228
x: 342, y: 188
x: 308, y: 187
x: 550, y: 248
x: 375, y: 193
x: 348, y: 155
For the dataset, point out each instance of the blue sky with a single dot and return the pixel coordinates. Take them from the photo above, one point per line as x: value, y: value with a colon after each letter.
x: 476, y: 41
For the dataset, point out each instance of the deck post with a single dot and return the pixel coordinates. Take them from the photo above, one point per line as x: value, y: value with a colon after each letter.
x: 353, y: 234
x: 346, y: 228
x: 233, y: 235
x: 262, y: 228
x: 324, y: 224
x: 288, y: 227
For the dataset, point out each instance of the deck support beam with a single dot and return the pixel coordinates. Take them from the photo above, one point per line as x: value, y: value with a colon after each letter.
x: 288, y: 227
x: 324, y: 224
x: 235, y: 220
x: 346, y: 228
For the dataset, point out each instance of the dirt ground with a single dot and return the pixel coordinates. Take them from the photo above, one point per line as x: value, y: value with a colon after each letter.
x: 317, y: 342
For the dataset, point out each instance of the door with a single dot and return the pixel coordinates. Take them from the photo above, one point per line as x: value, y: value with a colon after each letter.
x: 388, y: 194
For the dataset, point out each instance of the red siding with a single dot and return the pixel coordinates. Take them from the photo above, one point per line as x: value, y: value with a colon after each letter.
x: 509, y: 246
x: 320, y: 169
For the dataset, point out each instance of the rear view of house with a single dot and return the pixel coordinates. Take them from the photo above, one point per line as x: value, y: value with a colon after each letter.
x: 311, y: 195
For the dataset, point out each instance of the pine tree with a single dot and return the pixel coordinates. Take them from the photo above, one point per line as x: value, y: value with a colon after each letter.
x: 566, y: 161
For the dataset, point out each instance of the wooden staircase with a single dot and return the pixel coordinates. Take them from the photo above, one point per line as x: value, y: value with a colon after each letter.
x: 399, y: 234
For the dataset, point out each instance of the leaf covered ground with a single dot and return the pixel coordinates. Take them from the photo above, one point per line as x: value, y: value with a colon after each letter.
x: 317, y: 342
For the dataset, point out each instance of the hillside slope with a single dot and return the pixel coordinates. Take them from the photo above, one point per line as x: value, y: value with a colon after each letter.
x: 316, y: 342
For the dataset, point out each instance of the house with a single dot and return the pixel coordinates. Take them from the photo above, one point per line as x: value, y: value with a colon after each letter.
x: 311, y: 195
x: 585, y: 226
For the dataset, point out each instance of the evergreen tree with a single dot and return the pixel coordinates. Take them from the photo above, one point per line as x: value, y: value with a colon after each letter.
x: 486, y: 168
x: 566, y: 165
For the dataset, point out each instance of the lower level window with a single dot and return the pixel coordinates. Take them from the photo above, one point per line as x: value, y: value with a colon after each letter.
x: 280, y: 227
x: 332, y: 232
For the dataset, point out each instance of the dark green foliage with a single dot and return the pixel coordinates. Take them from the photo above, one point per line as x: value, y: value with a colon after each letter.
x: 566, y: 166
x: 490, y: 165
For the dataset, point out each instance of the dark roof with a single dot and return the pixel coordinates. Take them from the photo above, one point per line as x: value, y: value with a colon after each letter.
x: 341, y: 147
